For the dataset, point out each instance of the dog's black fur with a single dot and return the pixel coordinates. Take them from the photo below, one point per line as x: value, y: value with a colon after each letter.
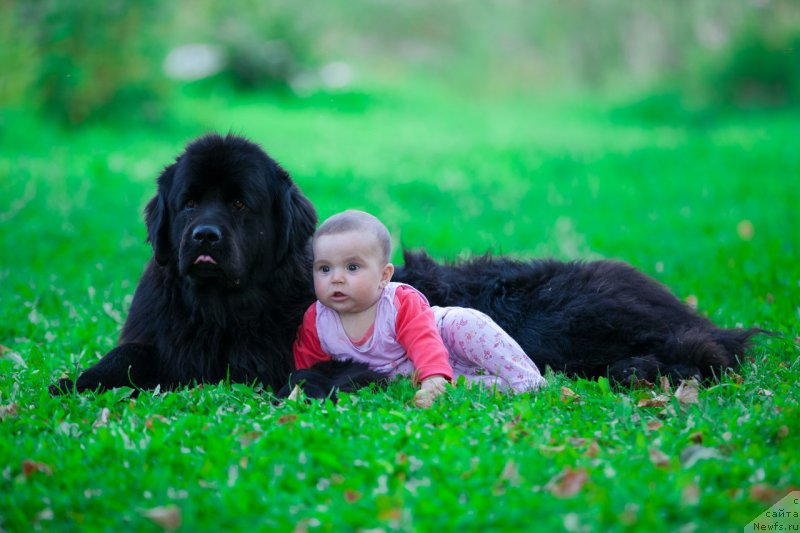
x: 230, y: 279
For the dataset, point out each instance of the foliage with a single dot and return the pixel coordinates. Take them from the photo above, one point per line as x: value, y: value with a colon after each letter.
x: 83, y: 59
x: 709, y: 212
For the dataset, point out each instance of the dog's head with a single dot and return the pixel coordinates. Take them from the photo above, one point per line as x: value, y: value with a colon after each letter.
x: 226, y: 214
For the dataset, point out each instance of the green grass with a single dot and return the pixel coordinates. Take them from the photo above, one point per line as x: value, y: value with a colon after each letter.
x: 457, y: 176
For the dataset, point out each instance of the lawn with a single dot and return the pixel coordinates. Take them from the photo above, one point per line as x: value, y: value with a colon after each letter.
x: 711, y: 211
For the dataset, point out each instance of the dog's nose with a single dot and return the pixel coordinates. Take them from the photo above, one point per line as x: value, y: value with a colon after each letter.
x: 207, y: 234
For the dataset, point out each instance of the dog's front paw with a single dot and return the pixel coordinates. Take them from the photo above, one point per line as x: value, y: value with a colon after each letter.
x: 62, y: 386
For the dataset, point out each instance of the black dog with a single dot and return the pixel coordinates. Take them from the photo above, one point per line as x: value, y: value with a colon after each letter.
x: 230, y: 279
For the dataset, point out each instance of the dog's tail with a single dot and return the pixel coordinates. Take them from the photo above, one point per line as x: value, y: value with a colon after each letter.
x: 710, y: 352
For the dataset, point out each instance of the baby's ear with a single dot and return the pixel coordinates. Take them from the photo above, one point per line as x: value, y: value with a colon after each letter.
x: 388, y: 272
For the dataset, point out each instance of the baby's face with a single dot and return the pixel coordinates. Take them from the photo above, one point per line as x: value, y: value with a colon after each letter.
x: 349, y: 271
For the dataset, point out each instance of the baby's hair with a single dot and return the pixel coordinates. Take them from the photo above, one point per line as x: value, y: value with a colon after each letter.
x: 354, y: 220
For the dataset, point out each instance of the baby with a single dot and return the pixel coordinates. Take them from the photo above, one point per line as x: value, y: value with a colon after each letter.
x: 361, y: 315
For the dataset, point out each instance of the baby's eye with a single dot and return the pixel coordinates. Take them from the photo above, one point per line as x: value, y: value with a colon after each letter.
x: 325, y: 269
x: 352, y: 267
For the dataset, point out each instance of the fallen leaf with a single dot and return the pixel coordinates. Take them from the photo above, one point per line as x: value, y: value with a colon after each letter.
x: 351, y: 496
x: 665, y: 385
x: 765, y: 392
x: 766, y: 494
x: 654, y: 425
x: 287, y: 419
x: 658, y: 458
x: 511, y: 424
x: 687, y: 392
x: 568, y: 483
x: 695, y: 453
x: 733, y: 376
x: 696, y: 437
x: 568, y: 395
x: 167, y: 516
x: 642, y: 384
x: 511, y: 474
x: 102, y: 418
x: 295, y: 394
x: 149, y: 422
x: 8, y: 353
x: 552, y: 450
x: 691, y: 301
x: 30, y: 468
x: 9, y: 411
x: 690, y: 495
x: 659, y: 401
x: 745, y: 230
x: 593, y: 450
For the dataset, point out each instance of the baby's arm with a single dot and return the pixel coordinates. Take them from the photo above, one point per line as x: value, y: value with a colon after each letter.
x: 418, y: 334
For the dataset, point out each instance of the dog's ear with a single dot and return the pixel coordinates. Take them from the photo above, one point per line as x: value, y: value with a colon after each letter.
x: 296, y: 216
x: 157, y: 219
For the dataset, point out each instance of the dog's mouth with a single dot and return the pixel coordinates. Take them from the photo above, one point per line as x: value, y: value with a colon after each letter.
x: 205, y: 269
x: 204, y: 266
x: 204, y: 260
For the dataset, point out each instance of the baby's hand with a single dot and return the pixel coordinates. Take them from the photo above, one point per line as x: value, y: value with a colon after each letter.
x: 429, y: 389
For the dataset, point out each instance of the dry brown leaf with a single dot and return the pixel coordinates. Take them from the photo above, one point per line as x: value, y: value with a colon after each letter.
x: 642, y: 384
x: 552, y: 450
x: 766, y: 494
x: 696, y: 437
x: 593, y: 450
x: 745, y: 230
x: 654, y: 425
x: 733, y: 376
x: 351, y: 496
x: 511, y: 424
x: 511, y: 474
x: 149, y: 422
x: 665, y: 385
x: 568, y: 483
x: 659, y: 401
x: 690, y: 495
x: 9, y: 411
x: 30, y: 468
x: 658, y: 458
x: 687, y: 392
x: 287, y: 419
x: 167, y: 516
x: 568, y: 395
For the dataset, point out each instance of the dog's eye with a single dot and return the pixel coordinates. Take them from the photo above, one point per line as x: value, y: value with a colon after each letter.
x: 238, y: 205
x: 190, y: 204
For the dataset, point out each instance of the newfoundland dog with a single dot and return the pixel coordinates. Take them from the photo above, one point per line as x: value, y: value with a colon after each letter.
x: 230, y: 278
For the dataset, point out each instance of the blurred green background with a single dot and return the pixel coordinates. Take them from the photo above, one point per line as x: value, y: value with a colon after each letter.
x: 78, y: 61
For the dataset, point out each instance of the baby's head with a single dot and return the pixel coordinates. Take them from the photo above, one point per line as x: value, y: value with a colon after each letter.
x: 373, y: 231
x: 351, y: 261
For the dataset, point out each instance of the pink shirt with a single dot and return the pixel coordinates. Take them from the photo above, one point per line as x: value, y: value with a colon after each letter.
x: 403, y: 340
